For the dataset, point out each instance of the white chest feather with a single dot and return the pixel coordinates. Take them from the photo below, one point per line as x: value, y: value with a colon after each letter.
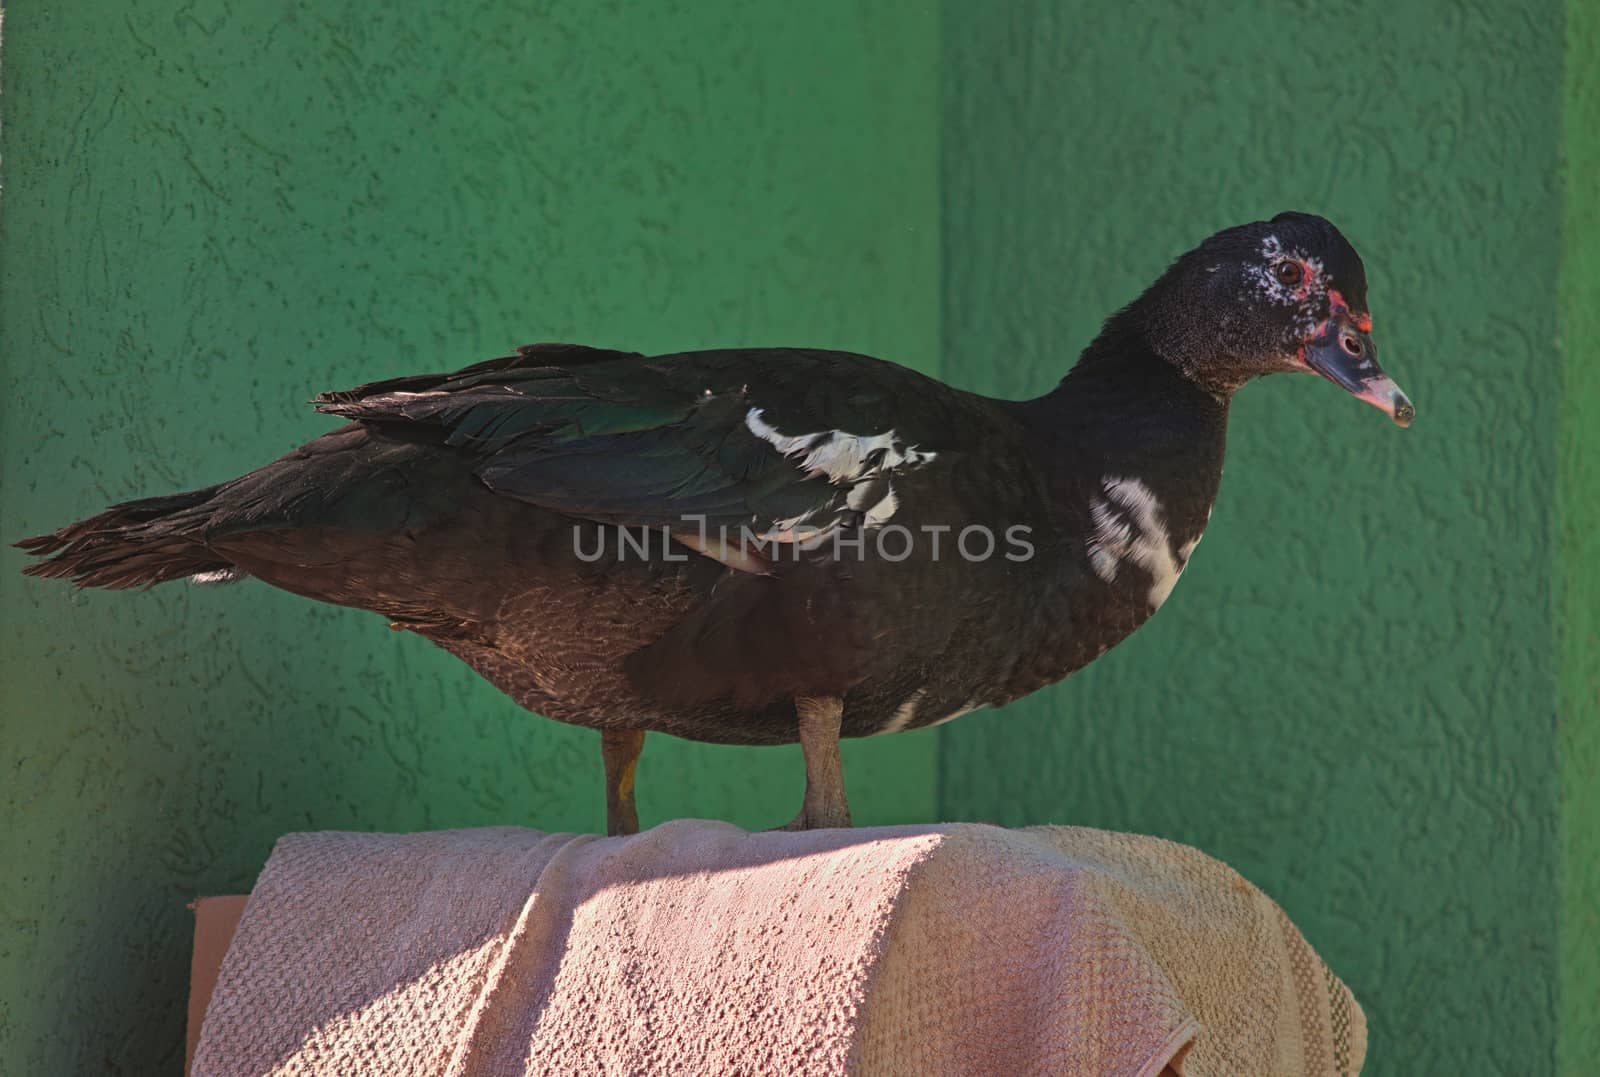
x: 1129, y: 527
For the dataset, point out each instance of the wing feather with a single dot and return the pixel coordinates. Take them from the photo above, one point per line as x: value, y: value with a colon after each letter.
x: 693, y: 440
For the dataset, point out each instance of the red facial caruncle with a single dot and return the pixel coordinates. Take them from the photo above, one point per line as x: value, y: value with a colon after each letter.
x: 1338, y: 306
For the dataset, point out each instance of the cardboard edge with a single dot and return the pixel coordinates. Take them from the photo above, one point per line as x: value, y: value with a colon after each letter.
x: 215, y: 921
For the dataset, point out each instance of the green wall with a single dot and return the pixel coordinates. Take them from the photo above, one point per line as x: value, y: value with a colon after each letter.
x: 214, y: 210
x: 1373, y: 693
x: 1352, y: 697
x: 1578, y: 519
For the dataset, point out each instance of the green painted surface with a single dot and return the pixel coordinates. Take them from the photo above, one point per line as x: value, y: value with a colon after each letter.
x: 1578, y: 519
x: 214, y: 210
x: 1351, y: 697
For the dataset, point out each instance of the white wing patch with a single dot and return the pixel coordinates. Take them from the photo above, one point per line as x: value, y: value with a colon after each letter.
x: 842, y: 456
x: 846, y: 459
x: 882, y: 512
x: 1129, y: 526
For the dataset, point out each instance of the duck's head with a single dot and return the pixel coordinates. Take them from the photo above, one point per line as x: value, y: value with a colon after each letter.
x: 1289, y: 294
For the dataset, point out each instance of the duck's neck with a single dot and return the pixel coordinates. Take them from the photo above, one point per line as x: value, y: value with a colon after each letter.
x: 1127, y: 397
x: 1125, y: 412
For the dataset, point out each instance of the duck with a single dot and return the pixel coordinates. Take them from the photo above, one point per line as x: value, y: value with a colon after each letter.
x: 768, y: 545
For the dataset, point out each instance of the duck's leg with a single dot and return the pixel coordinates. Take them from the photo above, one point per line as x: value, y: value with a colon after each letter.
x: 620, y: 748
x: 825, y: 804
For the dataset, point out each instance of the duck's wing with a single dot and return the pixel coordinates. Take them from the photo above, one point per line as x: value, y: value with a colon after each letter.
x: 785, y: 443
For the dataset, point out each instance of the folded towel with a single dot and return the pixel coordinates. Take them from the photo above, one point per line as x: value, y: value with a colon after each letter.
x: 698, y: 948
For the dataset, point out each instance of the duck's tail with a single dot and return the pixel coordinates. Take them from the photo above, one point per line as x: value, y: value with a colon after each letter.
x: 134, y: 544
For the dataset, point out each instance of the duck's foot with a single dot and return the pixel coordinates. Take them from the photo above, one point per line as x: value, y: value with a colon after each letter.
x: 808, y: 820
x: 620, y: 749
x: 825, y: 805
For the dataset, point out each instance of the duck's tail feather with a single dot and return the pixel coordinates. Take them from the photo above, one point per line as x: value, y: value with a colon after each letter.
x: 134, y: 544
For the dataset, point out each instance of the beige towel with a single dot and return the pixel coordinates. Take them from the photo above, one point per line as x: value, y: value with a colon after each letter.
x: 696, y: 948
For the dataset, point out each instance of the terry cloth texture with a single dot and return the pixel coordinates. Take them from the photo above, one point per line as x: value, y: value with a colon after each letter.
x: 698, y: 948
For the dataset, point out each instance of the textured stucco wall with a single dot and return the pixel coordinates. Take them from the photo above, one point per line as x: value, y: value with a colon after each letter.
x: 1578, y: 593
x: 1351, y: 695
x: 213, y: 210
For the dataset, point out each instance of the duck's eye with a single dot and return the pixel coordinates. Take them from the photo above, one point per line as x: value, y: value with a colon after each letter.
x: 1289, y: 274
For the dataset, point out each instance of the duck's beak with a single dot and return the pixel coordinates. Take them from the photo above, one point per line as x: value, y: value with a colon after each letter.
x: 1344, y: 354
